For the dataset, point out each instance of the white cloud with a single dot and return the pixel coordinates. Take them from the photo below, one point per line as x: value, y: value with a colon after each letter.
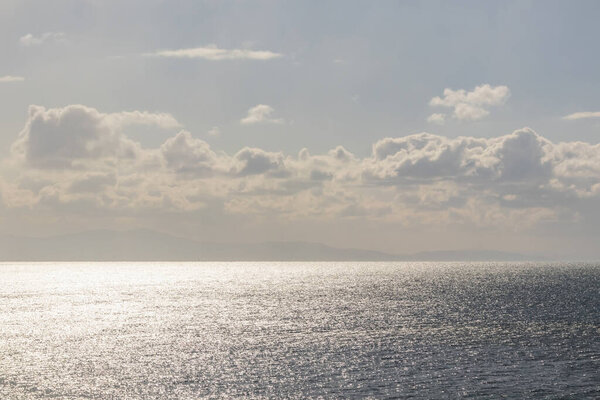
x: 341, y: 154
x: 472, y: 106
x: 32, y: 40
x: 582, y: 115
x: 522, y: 156
x: 468, y: 112
x: 11, y: 78
x: 260, y: 114
x: 60, y: 137
x: 253, y: 161
x: 214, y: 131
x: 77, y: 159
x: 213, y: 53
x: 437, y: 118
x: 186, y: 154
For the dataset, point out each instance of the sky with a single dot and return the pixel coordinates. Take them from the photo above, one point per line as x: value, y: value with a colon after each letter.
x: 398, y: 126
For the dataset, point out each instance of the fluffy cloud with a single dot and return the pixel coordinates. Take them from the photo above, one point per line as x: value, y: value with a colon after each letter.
x: 522, y: 156
x: 213, y: 53
x: 260, y: 114
x: 62, y: 137
x: 437, y: 118
x: 583, y: 115
x: 77, y: 159
x: 92, y: 183
x: 11, y: 78
x: 252, y: 161
x: 470, y: 106
x: 185, y: 154
x: 32, y: 40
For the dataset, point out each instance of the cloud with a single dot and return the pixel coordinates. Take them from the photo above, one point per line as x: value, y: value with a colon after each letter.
x: 582, y: 115
x: 341, y: 154
x: 214, y: 131
x: 93, y: 183
x: 76, y: 159
x: 260, y: 114
x: 11, y: 78
x: 471, y: 106
x: 61, y: 137
x: 186, y: 154
x: 213, y: 53
x: 29, y: 39
x: 522, y: 156
x: 437, y: 118
x: 253, y: 161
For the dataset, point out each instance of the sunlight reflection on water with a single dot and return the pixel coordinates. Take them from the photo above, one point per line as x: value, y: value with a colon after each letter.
x: 189, y: 330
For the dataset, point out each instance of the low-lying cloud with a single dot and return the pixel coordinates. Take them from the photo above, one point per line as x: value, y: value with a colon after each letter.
x: 75, y: 158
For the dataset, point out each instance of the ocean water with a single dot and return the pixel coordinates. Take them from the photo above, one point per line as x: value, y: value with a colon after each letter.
x: 299, y: 330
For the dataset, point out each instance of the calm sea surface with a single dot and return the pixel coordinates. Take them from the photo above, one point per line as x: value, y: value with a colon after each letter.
x: 299, y: 330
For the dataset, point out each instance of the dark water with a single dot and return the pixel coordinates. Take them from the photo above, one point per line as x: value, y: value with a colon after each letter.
x: 299, y: 330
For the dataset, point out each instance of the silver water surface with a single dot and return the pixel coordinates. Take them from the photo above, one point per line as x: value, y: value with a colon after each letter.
x: 299, y: 330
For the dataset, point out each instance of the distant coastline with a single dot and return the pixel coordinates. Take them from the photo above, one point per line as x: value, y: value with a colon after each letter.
x: 147, y: 245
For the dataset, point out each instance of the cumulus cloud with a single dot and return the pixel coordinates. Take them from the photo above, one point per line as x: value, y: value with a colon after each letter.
x: 473, y: 105
x: 186, y: 154
x: 32, y: 40
x: 260, y: 114
x: 437, y: 118
x: 582, y: 115
x: 93, y: 183
x: 214, y: 131
x: 341, y: 154
x: 60, y: 137
x: 253, y: 161
x: 11, y: 78
x: 520, y: 156
x: 213, y: 53
x: 78, y: 158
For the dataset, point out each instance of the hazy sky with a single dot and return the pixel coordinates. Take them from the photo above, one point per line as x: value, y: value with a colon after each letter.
x: 395, y: 126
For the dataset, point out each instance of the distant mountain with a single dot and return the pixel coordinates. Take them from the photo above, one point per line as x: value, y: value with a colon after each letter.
x: 472, y: 255
x: 146, y: 245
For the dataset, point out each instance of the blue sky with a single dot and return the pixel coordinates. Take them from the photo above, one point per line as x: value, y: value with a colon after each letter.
x: 335, y: 74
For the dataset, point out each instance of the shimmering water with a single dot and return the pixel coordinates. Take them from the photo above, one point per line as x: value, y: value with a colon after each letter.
x: 299, y: 330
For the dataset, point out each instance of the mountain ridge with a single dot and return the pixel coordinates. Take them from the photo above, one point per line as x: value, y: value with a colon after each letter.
x: 149, y: 245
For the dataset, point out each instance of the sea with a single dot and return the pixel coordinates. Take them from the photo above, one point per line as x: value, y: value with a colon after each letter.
x: 299, y: 330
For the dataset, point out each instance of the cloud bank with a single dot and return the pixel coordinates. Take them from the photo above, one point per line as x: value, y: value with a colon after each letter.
x: 77, y: 160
